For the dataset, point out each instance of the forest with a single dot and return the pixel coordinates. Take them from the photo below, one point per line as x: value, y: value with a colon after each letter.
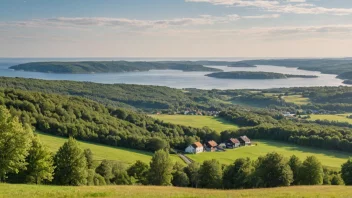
x: 106, y: 67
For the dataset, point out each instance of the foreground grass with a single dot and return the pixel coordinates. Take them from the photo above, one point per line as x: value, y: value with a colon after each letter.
x: 296, y: 99
x: 328, y: 158
x: 102, y: 151
x: 214, y: 123
x: 337, y: 117
x: 28, y: 191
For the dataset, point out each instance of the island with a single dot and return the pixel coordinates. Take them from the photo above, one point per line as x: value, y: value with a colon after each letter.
x: 241, y: 64
x: 345, y: 75
x: 347, y: 82
x: 255, y: 75
x: 86, y: 67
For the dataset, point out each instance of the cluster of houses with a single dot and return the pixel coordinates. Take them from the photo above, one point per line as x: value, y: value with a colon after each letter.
x: 211, y: 146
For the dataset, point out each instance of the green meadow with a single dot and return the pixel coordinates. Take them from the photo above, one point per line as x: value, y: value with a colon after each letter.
x: 42, y: 191
x: 336, y: 117
x: 296, y: 99
x: 214, y: 123
x: 328, y: 158
x: 101, y: 152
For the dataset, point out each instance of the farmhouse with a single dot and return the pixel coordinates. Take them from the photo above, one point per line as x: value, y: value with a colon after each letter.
x: 233, y: 143
x: 195, y: 148
x: 244, y: 140
x: 211, y: 145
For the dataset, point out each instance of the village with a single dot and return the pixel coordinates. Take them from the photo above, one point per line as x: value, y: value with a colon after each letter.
x: 212, y: 146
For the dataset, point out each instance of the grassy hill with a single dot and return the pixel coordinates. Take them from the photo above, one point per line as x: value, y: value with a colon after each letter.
x: 11, y: 190
x: 101, y: 152
x: 214, y: 123
x: 332, y: 159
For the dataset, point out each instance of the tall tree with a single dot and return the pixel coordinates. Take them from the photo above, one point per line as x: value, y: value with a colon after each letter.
x: 15, y: 142
x: 139, y: 171
x: 210, y: 174
x: 71, y: 165
x: 89, y: 157
x: 160, y: 169
x: 346, y: 172
x: 40, y: 165
x: 105, y: 170
x: 272, y: 170
x: 311, y: 171
x: 179, y: 177
x: 295, y: 164
x: 239, y: 174
x: 192, y: 171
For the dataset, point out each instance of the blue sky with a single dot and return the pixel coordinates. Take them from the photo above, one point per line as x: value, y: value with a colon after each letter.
x: 175, y: 28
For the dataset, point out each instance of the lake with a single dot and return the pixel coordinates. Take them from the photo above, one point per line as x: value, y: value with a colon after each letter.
x: 180, y: 79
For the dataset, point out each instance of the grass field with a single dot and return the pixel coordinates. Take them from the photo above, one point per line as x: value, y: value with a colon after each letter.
x: 214, y: 123
x: 331, y: 159
x: 337, y: 117
x: 102, y: 151
x: 296, y: 99
x: 29, y: 191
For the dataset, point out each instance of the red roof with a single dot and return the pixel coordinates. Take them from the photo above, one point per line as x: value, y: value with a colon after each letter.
x: 212, y: 143
x: 197, y: 145
x: 245, y: 138
x: 234, y: 140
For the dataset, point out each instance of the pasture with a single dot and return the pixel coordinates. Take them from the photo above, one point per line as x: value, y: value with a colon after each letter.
x: 21, y: 190
x: 296, y: 99
x: 332, y: 159
x: 196, y: 121
x: 101, y: 152
x: 336, y: 117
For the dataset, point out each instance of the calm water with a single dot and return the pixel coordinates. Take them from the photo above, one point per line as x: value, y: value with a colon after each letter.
x: 180, y: 79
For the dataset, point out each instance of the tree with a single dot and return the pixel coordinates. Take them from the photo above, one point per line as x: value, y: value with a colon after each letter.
x: 89, y: 157
x: 346, y: 172
x: 40, y: 163
x: 192, y: 171
x: 139, y: 170
x: 272, y: 170
x: 179, y: 177
x: 295, y: 164
x: 160, y: 169
x: 15, y: 142
x: 155, y: 144
x: 210, y: 174
x: 311, y: 171
x: 239, y: 174
x: 336, y: 180
x: 120, y: 175
x: 71, y: 165
x: 105, y: 170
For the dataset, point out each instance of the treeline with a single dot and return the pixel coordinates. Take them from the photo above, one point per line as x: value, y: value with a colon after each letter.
x: 88, y: 120
x: 248, y: 118
x: 255, y: 75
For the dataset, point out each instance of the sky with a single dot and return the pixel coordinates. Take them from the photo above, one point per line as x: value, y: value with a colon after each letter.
x: 176, y: 28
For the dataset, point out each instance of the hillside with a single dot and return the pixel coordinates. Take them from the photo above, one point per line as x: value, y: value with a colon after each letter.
x: 255, y: 75
x: 346, y: 75
x: 20, y: 191
x: 105, y: 67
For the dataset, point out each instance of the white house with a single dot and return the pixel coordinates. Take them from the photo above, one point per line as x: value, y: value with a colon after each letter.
x: 195, y: 148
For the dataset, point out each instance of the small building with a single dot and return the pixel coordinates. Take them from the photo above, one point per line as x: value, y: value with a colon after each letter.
x: 211, y: 145
x: 195, y: 148
x: 233, y: 143
x: 244, y: 140
x: 222, y: 145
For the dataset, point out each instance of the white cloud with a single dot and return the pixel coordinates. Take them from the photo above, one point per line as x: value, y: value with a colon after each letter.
x: 289, y: 6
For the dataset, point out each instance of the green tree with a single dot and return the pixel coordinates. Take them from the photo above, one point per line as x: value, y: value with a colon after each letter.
x: 179, y: 177
x: 239, y: 174
x: 346, y: 172
x: 139, y: 170
x: 105, y: 170
x: 272, y: 170
x: 40, y: 165
x: 160, y: 169
x: 192, y: 171
x: 295, y: 164
x: 15, y: 142
x: 71, y: 165
x: 89, y: 157
x: 336, y: 180
x: 155, y: 144
x: 120, y: 175
x: 311, y: 172
x: 210, y: 174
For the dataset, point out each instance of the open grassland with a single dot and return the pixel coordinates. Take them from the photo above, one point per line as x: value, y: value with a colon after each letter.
x: 328, y: 158
x: 214, y: 123
x: 337, y: 117
x: 29, y: 191
x: 296, y: 99
x: 102, y: 151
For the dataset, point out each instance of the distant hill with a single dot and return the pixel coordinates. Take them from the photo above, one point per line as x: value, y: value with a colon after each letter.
x: 255, y: 75
x: 241, y: 64
x: 346, y: 75
x: 106, y: 67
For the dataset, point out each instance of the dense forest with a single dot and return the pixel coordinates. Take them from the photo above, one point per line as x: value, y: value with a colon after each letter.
x: 346, y: 75
x: 255, y: 75
x: 106, y: 67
